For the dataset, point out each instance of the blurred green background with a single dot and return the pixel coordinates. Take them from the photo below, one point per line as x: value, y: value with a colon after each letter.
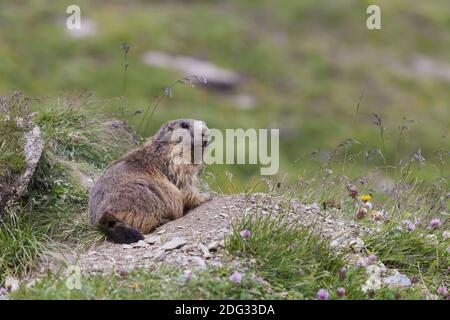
x: 305, y: 66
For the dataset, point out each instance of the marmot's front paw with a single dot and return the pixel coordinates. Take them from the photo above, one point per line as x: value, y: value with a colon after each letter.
x: 197, y: 200
x: 205, y: 197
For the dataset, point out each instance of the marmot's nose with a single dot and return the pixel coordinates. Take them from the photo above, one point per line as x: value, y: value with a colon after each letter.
x: 205, y: 137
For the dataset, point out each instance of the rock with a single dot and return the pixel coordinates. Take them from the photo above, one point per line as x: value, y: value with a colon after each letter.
x: 175, y: 243
x: 357, y: 244
x: 11, y: 284
x: 152, y: 239
x: 205, y: 250
x: 148, y: 255
x: 431, y: 68
x: 160, y: 255
x: 140, y: 244
x: 244, y: 102
x: 339, y: 241
x: 397, y: 280
x: 215, y: 76
x: 121, y: 133
x: 31, y: 283
x: 17, y: 186
x: 213, y: 246
x: 83, y: 177
x: 33, y: 150
x: 127, y: 246
x: 199, y: 261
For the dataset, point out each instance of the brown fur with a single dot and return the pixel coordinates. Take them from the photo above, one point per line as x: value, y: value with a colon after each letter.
x: 147, y: 187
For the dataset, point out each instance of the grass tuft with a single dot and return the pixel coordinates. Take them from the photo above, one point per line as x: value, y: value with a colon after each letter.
x: 288, y: 256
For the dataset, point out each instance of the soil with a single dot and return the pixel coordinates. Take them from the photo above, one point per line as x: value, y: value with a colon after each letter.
x: 197, y: 239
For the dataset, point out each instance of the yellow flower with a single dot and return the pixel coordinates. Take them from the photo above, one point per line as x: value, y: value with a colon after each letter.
x: 135, y: 286
x: 365, y: 197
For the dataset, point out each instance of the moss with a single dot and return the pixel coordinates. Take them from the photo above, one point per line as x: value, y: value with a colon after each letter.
x: 12, y: 158
x: 13, y: 126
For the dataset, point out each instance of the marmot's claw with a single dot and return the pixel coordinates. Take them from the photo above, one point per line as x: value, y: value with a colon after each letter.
x: 207, y: 197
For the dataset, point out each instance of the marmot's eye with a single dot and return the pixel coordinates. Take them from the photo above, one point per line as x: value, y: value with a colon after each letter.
x: 184, y: 125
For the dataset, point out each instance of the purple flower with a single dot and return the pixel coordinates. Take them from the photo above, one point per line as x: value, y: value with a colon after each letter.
x: 322, y: 294
x: 122, y: 272
x: 187, y: 274
x: 3, y: 291
x: 434, y: 224
x: 361, y: 213
x: 342, y: 273
x: 442, y: 290
x: 410, y: 226
x: 379, y: 215
x: 245, y: 233
x: 372, y: 259
x: 236, y: 277
x: 340, y: 292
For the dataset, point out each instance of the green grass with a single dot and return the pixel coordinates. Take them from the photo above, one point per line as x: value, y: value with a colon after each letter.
x: 22, y: 245
x: 289, y: 263
x: 306, y: 68
x: 13, y: 124
x: 315, y: 72
x: 420, y: 253
x: 297, y: 263
x: 165, y: 283
x: 76, y: 131
x: 294, y: 263
x: 288, y: 255
x: 54, y: 211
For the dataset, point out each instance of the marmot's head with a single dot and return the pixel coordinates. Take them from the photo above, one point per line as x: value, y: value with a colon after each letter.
x: 185, y: 140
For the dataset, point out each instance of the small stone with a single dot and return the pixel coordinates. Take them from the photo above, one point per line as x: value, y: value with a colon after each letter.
x: 152, y: 239
x: 161, y: 231
x: 175, y: 243
x: 147, y: 255
x: 397, y: 280
x: 160, y: 255
x: 31, y: 283
x: 213, y: 246
x: 357, y: 244
x: 11, y: 284
x: 205, y: 250
x: 199, y: 261
x: 140, y: 244
x: 127, y: 246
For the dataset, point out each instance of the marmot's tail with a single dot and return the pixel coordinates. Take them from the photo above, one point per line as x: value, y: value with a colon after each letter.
x: 118, y: 231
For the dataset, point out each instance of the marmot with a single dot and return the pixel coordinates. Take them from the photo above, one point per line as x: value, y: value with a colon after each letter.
x: 152, y: 184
